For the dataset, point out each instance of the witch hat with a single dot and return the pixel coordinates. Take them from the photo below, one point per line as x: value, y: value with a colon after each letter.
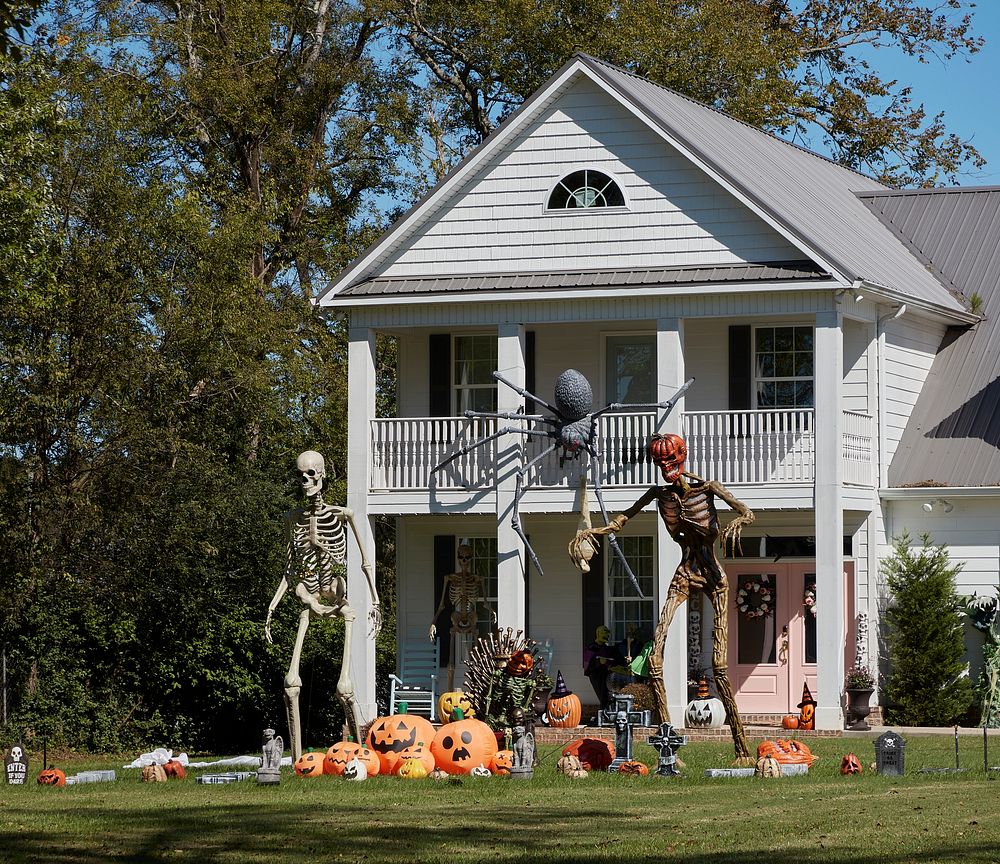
x: 560, y: 689
x: 807, y: 697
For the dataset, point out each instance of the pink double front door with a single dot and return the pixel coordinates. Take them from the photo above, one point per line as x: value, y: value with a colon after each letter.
x: 772, y: 632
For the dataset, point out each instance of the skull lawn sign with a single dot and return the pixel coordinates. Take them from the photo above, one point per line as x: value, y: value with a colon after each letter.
x: 16, y: 765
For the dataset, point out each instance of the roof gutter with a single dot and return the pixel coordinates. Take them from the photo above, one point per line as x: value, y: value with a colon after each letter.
x: 916, y: 493
x: 871, y: 289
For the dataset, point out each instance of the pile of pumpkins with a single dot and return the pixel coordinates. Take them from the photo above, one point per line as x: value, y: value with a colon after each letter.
x: 407, y: 745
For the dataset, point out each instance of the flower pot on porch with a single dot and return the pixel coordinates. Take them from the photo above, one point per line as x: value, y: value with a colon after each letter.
x: 858, y: 707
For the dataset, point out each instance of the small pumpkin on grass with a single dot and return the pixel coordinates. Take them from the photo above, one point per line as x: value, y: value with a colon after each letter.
x: 309, y: 764
x: 154, y: 774
x: 52, y: 777
x: 420, y: 751
x: 593, y: 753
x: 503, y: 761
x: 412, y: 768
x: 634, y: 767
x: 767, y: 766
x: 174, y: 770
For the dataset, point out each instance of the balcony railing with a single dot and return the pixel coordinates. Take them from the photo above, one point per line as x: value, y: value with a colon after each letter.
x: 734, y: 447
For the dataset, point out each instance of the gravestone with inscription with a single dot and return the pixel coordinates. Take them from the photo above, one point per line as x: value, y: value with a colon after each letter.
x: 16, y: 765
x: 890, y: 748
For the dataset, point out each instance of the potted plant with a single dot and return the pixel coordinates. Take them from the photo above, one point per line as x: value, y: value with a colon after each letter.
x: 859, y: 683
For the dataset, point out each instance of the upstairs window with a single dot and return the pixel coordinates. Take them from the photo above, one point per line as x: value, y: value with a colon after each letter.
x: 586, y: 188
x: 475, y: 359
x: 783, y: 367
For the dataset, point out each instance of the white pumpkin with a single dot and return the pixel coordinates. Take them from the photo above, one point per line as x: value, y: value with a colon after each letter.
x: 707, y: 713
x: 355, y: 770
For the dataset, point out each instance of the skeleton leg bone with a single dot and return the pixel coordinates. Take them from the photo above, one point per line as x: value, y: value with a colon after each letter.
x: 676, y: 595
x: 345, y: 687
x: 720, y: 668
x: 293, y: 686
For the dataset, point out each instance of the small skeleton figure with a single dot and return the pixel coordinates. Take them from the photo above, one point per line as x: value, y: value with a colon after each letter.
x: 463, y: 590
x: 316, y: 548
x: 687, y: 507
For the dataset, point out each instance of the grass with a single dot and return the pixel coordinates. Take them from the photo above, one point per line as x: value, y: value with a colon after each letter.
x: 822, y: 817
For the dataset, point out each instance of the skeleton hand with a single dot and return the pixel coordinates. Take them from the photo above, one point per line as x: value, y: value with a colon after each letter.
x: 582, y: 548
x: 433, y: 632
x: 375, y: 619
x: 267, y: 627
x: 731, y: 534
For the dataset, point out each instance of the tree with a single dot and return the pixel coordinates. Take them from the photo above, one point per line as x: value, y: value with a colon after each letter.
x: 927, y: 684
x: 805, y: 69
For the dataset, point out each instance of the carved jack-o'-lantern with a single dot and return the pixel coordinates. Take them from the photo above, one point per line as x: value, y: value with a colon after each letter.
x: 390, y: 736
x: 503, y: 761
x: 448, y: 702
x: 669, y: 453
x: 463, y: 744
x: 154, y: 774
x: 412, y: 769
x: 850, y: 764
x: 309, y: 764
x: 355, y: 770
x: 52, y: 777
x: 571, y: 767
x: 563, y: 707
x: 807, y: 707
x: 635, y: 768
x: 704, y: 710
x: 520, y: 664
x: 787, y: 751
x: 767, y: 766
x: 593, y: 753
x: 481, y: 771
x: 420, y: 751
x: 341, y: 753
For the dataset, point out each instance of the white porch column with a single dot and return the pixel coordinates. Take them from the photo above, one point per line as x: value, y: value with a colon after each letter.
x: 670, y: 376
x: 830, y: 623
x: 510, y: 549
x: 361, y: 402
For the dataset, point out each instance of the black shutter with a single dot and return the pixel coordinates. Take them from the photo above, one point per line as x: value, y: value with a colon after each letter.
x: 593, y: 597
x: 529, y: 370
x: 444, y: 565
x: 439, y: 375
x: 740, y: 368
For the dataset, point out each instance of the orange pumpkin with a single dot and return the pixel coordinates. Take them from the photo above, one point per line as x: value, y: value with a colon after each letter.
x: 850, y: 764
x: 593, y: 753
x: 790, y: 721
x: 786, y: 751
x: 563, y: 708
x: 503, y: 761
x: 52, y: 777
x: 463, y: 744
x: 520, y: 664
x: 174, y: 770
x: 390, y: 736
x: 342, y: 752
x: 309, y: 764
x: 635, y: 768
x: 419, y: 751
x: 448, y: 702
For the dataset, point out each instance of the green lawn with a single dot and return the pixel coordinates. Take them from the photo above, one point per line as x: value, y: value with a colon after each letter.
x: 822, y: 817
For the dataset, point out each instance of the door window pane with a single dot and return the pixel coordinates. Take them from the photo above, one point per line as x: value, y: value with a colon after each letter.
x: 755, y: 636
x: 809, y: 589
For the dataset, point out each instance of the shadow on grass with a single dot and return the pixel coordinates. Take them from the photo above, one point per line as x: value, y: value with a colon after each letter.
x: 343, y: 831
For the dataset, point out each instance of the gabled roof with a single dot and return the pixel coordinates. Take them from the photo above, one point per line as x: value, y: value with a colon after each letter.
x: 953, y: 434
x: 806, y: 197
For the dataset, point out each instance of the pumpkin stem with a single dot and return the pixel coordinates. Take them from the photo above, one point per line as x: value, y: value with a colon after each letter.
x: 402, y: 707
x: 457, y: 714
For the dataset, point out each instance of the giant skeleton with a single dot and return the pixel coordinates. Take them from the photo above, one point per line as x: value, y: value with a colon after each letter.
x: 463, y: 590
x: 687, y: 507
x: 315, y: 552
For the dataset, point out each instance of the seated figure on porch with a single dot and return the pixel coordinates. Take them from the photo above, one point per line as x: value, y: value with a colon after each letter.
x: 600, y: 658
x: 687, y: 507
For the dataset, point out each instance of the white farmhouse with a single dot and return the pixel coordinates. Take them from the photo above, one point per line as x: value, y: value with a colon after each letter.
x: 621, y: 229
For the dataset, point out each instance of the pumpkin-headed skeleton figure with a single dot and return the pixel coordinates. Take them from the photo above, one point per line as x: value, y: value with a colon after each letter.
x: 686, y: 504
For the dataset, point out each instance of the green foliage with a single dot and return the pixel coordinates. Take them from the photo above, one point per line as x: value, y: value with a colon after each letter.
x: 927, y: 684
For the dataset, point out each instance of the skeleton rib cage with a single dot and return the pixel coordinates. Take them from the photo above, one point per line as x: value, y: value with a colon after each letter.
x: 318, y: 544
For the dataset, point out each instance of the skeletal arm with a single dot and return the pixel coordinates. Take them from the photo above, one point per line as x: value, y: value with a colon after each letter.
x: 432, y: 633
x: 578, y: 546
x: 366, y: 568
x: 744, y: 516
x: 282, y: 585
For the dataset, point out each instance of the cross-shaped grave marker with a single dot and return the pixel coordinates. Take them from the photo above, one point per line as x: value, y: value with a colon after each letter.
x: 667, y: 742
x: 624, y: 719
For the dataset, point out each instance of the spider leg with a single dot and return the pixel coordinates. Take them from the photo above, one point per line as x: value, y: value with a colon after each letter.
x: 468, y: 448
x: 668, y: 404
x: 597, y: 461
x: 508, y: 415
x: 519, y: 490
x: 526, y: 394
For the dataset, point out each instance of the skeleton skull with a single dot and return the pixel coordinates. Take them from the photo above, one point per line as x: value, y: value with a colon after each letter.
x: 669, y: 452
x: 16, y: 754
x: 312, y: 470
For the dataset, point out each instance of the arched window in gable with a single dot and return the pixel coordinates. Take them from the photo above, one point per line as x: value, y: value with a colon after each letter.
x: 586, y: 188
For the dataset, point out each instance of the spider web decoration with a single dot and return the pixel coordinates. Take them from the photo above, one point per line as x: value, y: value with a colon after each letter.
x: 572, y: 429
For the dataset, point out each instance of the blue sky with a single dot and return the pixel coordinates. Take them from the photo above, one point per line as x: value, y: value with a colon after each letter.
x: 968, y: 92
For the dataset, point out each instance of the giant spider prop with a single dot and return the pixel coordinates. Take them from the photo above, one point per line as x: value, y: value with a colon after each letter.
x: 573, y: 428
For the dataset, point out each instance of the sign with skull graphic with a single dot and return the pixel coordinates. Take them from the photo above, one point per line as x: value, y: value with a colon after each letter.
x: 16, y: 765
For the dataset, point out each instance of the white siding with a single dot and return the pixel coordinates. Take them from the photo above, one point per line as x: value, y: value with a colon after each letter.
x: 910, y: 346
x: 855, y: 391
x: 675, y: 215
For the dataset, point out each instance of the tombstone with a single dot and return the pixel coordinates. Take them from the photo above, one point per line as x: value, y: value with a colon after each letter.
x: 889, y: 752
x: 16, y: 765
x: 624, y: 719
x: 667, y: 742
